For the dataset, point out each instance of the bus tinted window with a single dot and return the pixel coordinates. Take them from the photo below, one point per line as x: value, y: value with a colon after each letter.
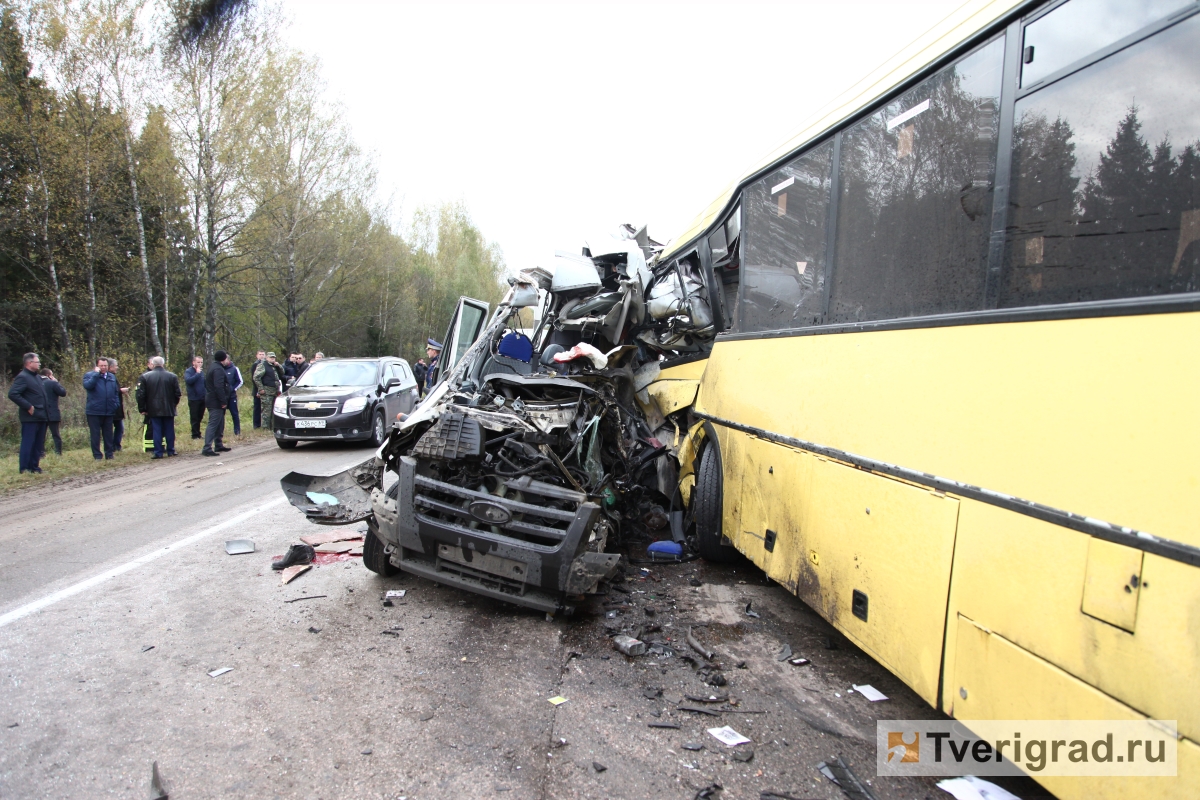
x: 1076, y: 29
x: 916, y: 197
x: 786, y: 216
x: 1105, y: 192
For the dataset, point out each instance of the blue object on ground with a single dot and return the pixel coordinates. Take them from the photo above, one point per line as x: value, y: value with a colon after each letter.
x: 666, y: 548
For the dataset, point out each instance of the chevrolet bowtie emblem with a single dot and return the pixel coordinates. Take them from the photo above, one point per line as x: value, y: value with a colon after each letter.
x: 311, y: 406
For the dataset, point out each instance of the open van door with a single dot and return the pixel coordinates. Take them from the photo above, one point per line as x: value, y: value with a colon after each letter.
x: 465, y: 326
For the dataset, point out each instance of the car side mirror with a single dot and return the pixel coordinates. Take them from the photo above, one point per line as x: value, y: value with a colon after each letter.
x: 392, y: 383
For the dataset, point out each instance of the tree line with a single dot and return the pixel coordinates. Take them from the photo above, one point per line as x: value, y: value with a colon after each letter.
x: 167, y: 193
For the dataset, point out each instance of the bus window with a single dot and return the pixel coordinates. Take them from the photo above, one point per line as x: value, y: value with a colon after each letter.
x: 1106, y: 178
x: 913, y: 214
x: 723, y: 243
x: 786, y: 218
x: 1079, y: 28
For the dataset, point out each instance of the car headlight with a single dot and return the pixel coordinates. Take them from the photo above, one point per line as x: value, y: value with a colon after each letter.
x: 281, y: 406
x: 354, y: 404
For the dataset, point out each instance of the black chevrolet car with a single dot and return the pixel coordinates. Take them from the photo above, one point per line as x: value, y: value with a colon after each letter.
x: 345, y: 399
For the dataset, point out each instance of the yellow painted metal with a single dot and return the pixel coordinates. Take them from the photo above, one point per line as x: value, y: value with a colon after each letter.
x: 692, y: 370
x: 1112, y: 583
x: 960, y: 25
x: 671, y: 396
x: 990, y: 677
x: 840, y: 529
x: 689, y: 451
x: 1024, y: 579
x: 1094, y: 416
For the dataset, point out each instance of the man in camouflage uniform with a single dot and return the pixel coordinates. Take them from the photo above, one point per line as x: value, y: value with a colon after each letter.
x: 268, y: 380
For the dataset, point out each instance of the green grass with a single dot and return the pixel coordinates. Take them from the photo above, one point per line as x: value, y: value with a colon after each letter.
x: 77, y: 450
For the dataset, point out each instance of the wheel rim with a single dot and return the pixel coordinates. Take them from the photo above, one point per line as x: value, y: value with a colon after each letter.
x: 379, y: 429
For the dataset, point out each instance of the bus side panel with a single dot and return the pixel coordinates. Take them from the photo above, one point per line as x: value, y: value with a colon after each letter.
x: 1027, y: 580
x: 1004, y: 681
x: 837, y: 530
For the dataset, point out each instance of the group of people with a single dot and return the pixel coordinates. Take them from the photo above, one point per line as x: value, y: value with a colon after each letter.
x: 36, y: 392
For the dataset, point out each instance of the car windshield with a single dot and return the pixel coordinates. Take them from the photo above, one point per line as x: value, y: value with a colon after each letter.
x: 338, y: 373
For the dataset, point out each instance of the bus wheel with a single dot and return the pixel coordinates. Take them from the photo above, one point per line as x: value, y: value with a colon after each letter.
x: 708, y: 509
x: 374, y: 558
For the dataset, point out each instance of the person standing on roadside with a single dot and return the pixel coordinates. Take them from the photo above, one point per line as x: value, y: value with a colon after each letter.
x: 193, y: 376
x: 234, y: 376
x: 259, y: 359
x: 216, y: 398
x: 317, y: 356
x: 157, y: 396
x: 419, y: 370
x: 119, y: 416
x: 103, y: 400
x: 54, y: 390
x: 268, y: 381
x: 27, y: 392
x: 433, y: 349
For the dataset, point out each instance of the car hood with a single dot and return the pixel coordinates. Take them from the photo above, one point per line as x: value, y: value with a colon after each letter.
x: 298, y: 393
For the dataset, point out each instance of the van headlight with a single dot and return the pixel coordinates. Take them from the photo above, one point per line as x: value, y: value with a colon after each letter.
x: 281, y: 406
x: 354, y: 404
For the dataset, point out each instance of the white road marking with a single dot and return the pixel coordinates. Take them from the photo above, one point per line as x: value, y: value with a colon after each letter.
x: 82, y: 586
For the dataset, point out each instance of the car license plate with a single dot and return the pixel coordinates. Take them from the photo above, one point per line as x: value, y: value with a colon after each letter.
x: 310, y: 423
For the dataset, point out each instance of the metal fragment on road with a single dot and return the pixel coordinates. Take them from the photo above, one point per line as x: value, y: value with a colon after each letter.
x: 669, y: 725
x: 216, y: 673
x: 629, y: 645
x: 694, y: 643
x: 237, y: 547
x: 157, y: 790
x: 837, y: 771
x: 558, y: 700
x: 147, y: 648
x: 306, y: 597
x: 784, y: 653
x: 870, y: 692
x: 596, y: 765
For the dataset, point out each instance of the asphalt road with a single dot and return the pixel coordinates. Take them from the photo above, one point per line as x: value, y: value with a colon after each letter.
x: 117, y: 599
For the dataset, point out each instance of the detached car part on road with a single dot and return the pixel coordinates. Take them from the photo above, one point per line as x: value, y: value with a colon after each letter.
x: 536, y: 453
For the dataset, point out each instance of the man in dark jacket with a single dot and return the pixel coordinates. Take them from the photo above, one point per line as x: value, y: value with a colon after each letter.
x: 259, y: 360
x: 103, y: 400
x: 157, y: 396
x: 54, y: 390
x: 119, y: 416
x: 27, y: 392
x: 216, y: 398
x: 193, y: 376
x: 419, y: 369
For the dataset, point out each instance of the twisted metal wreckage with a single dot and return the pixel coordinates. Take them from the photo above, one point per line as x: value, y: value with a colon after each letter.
x: 533, y: 457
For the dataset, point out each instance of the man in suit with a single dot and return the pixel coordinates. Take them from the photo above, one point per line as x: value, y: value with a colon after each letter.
x: 157, y: 397
x: 54, y: 390
x: 216, y: 399
x: 27, y: 392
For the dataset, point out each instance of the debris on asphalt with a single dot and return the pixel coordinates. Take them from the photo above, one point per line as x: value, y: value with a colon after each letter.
x: 767, y: 794
x: 708, y: 791
x: 336, y: 548
x: 692, y: 746
x: 694, y: 643
x: 728, y: 736
x: 558, y: 700
x: 750, y: 612
x: 665, y: 551
x: 324, y: 537
x: 147, y: 648
x: 971, y: 788
x: 389, y: 633
x: 296, y: 554
x: 652, y: 693
x: 870, y: 692
x: 836, y: 770
x: 712, y: 698
x: 216, y: 673
x: 311, y: 629
x: 392, y: 594
x: 291, y: 573
x: 784, y: 653
x: 671, y: 725
x: 428, y: 715
x: 305, y: 597
x: 366, y: 752
x: 236, y: 547
x: 15, y: 725
x: 699, y: 710
x: 798, y: 661
x: 157, y: 790
x: 740, y: 665
x: 596, y: 765
x: 629, y: 645
x: 831, y: 643
x: 743, y: 754
x: 712, y: 676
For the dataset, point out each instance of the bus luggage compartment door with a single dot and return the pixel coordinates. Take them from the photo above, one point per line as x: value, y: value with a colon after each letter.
x: 870, y: 553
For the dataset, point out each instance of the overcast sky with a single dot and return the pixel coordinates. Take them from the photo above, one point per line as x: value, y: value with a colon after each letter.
x: 556, y: 122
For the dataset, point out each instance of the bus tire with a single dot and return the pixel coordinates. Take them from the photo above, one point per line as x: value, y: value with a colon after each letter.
x: 709, y: 509
x: 374, y: 558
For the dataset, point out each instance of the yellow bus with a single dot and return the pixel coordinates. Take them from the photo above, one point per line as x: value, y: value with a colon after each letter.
x: 954, y: 404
